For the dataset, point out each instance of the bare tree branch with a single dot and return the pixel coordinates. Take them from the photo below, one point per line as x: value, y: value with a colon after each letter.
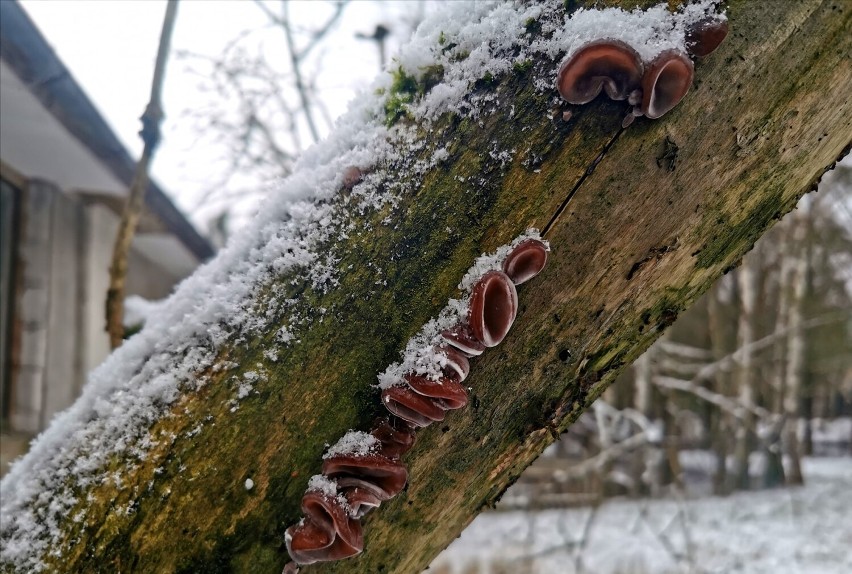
x: 150, y: 134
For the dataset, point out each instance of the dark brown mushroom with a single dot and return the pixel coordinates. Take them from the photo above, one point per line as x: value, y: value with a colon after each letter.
x: 493, y: 305
x: 326, y: 533
x: 667, y: 79
x: 608, y: 65
x: 381, y: 476
x: 525, y: 261
x: 705, y: 35
x: 457, y: 366
x: 397, y: 436
x: 361, y: 501
x: 411, y: 406
x: 462, y: 338
x: 447, y: 393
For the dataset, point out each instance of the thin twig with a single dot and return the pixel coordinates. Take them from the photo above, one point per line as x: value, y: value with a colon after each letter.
x: 151, y: 120
x: 295, y: 62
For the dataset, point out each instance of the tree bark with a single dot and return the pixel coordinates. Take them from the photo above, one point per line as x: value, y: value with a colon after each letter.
x: 633, y: 245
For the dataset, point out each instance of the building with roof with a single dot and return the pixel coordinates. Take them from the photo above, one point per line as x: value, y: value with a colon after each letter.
x: 64, y: 177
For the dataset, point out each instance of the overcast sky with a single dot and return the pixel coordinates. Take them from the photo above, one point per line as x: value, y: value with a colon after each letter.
x: 110, y: 48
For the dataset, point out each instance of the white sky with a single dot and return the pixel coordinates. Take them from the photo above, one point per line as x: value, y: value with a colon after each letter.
x: 110, y: 48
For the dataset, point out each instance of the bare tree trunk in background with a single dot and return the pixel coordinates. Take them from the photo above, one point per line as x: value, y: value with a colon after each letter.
x: 150, y: 134
x: 669, y: 459
x: 782, y: 317
x: 720, y: 427
x: 642, y: 375
x: 643, y: 372
x: 605, y: 443
x: 797, y: 343
x: 748, y: 287
x: 771, y: 442
x: 661, y: 460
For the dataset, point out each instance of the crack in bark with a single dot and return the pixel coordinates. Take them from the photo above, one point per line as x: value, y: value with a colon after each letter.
x: 655, y: 254
x: 589, y: 171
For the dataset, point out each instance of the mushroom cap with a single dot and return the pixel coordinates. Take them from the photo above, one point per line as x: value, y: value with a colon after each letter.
x: 705, y: 35
x: 608, y: 65
x: 461, y: 337
x: 493, y: 305
x: 308, y: 542
x: 667, y: 79
x: 412, y: 407
x: 380, y: 475
x: 457, y: 366
x: 397, y: 436
x: 361, y: 500
x: 447, y: 393
x: 327, y: 532
x: 525, y: 261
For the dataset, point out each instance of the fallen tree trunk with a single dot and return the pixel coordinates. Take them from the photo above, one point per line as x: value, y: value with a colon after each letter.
x: 641, y: 222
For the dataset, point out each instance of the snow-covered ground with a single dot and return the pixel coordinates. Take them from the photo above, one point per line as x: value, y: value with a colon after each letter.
x: 804, y: 530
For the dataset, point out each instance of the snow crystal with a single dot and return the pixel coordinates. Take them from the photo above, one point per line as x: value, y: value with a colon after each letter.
x: 249, y: 484
x: 235, y: 297
x: 323, y: 484
x: 356, y: 443
x: 284, y: 335
x: 271, y: 355
x: 137, y: 309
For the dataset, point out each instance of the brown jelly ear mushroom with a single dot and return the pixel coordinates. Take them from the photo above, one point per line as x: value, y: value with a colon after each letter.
x: 461, y: 337
x: 608, y: 65
x: 448, y: 394
x: 457, y: 366
x: 666, y: 81
x: 493, y: 306
x: 412, y: 407
x: 326, y: 533
x: 525, y: 261
x: 379, y: 475
x: 705, y: 35
x: 361, y: 501
x: 396, y: 435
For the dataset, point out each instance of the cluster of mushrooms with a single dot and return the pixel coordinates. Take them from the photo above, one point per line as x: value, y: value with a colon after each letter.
x: 331, y: 527
x: 652, y: 88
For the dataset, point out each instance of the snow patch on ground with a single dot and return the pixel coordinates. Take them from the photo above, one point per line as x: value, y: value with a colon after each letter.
x: 783, y: 531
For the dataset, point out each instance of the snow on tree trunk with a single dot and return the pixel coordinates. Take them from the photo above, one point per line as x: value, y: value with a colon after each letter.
x: 271, y: 351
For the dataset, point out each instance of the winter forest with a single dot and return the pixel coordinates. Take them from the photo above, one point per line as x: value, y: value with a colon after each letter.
x: 534, y: 287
